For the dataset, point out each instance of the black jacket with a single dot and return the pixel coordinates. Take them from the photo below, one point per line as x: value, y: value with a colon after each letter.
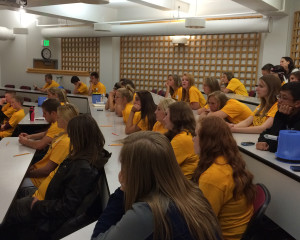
x: 73, y: 180
x: 281, y: 122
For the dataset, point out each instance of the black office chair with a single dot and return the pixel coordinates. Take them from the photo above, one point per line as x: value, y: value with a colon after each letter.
x: 9, y: 86
x: 261, y: 202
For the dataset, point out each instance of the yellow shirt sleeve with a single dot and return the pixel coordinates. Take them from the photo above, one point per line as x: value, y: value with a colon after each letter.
x: 52, y: 84
x: 158, y: 127
x: 143, y: 124
x: 196, y: 96
x: 236, y: 111
x: 99, y: 88
x: 177, y: 95
x: 53, y: 130
x: 16, y: 118
x: 83, y: 89
x: 126, y: 112
x: 237, y: 87
x: 5, y: 107
x: 9, y: 112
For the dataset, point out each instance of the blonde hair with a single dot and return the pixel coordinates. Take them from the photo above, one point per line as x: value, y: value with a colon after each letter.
x: 165, y: 103
x: 60, y: 93
x: 68, y: 111
x: 127, y: 92
x: 152, y: 174
x: 185, y: 92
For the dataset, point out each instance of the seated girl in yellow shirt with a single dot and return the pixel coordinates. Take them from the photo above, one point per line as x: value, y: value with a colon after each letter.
x: 230, y: 109
x: 190, y: 93
x: 59, y: 94
x: 123, y: 99
x: 160, y: 114
x: 223, y: 178
x: 180, y: 122
x: 174, y: 88
x: 232, y: 85
x: 263, y: 116
x: 142, y: 115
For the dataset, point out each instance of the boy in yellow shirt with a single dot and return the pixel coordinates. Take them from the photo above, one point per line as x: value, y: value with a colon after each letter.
x: 6, y: 109
x: 80, y: 87
x: 8, y: 128
x: 49, y: 83
x: 95, y: 85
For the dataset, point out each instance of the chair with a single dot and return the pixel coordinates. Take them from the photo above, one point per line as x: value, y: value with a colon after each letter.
x: 68, y: 91
x: 154, y: 91
x: 261, y: 202
x: 25, y: 87
x: 27, y: 99
x: 161, y: 93
x: 9, y: 86
x: 252, y: 93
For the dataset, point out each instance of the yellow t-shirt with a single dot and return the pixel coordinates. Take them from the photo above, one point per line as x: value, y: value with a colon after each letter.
x: 183, y: 147
x: 9, y: 111
x: 126, y: 112
x: 177, y: 95
x: 159, y: 127
x: 13, y: 122
x: 54, y: 130
x: 5, y: 107
x: 236, y: 111
x: 141, y: 123
x: 196, y: 96
x: 83, y: 89
x: 217, y: 185
x: 237, y: 87
x: 52, y: 84
x: 57, y: 152
x: 257, y: 120
x: 98, y: 88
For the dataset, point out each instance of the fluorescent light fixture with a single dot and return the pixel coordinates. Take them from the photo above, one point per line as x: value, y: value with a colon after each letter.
x: 104, y: 27
x: 20, y: 30
x: 195, y: 22
x: 180, y: 40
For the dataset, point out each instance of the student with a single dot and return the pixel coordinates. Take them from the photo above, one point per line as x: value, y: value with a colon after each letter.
x: 232, y: 84
x: 41, y: 140
x: 142, y: 115
x: 230, y: 109
x: 124, y: 82
x: 111, y: 101
x: 190, y: 93
x: 181, y: 124
x: 6, y: 109
x: 160, y: 113
x: 287, y: 117
x: 49, y: 83
x: 210, y: 84
x: 95, y: 85
x: 174, y: 88
x: 59, y: 94
x: 295, y: 77
x: 288, y: 64
x: 279, y: 72
x: 263, y: 116
x: 155, y: 200
x: 223, y: 178
x: 8, y: 128
x: 58, y: 149
x: 266, y: 69
x: 123, y: 106
x: 79, y: 87
x: 62, y: 193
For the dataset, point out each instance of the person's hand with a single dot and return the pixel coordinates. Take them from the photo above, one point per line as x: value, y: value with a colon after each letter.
x: 230, y: 125
x: 167, y: 85
x: 2, y: 101
x: 136, y: 108
x: 22, y: 139
x: 121, y: 180
x: 200, y: 111
x: 111, y: 94
x: 2, y: 127
x: 285, y: 109
x: 263, y: 146
x: 23, y: 135
x: 33, y: 202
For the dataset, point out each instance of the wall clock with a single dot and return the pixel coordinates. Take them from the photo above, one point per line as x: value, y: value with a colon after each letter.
x: 46, y: 53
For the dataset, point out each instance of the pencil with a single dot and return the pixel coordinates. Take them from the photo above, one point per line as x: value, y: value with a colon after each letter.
x: 115, y: 134
x: 7, y: 143
x: 21, y: 154
x: 116, y: 144
x: 105, y: 125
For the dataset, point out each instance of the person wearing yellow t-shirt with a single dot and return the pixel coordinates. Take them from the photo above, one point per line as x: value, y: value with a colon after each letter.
x: 219, y: 173
x: 80, y: 87
x: 230, y: 109
x: 232, y: 85
x: 8, y: 128
x: 160, y: 114
x: 180, y: 122
x: 49, y: 83
x: 190, y: 93
x: 123, y: 102
x: 42, y: 140
x: 58, y: 150
x: 6, y: 110
x: 263, y: 116
x: 174, y: 89
x: 95, y: 85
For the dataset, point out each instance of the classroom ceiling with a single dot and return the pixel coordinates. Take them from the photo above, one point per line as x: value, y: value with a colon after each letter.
x: 132, y: 11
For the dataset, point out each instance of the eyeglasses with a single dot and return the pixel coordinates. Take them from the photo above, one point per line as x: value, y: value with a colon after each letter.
x: 283, y: 98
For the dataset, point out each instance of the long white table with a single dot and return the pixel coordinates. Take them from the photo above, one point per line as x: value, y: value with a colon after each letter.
x: 12, y: 170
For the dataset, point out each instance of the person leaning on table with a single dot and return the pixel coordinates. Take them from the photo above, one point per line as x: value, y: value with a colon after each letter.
x: 232, y: 84
x: 49, y: 83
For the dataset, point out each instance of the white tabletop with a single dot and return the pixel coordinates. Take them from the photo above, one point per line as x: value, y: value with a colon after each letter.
x: 12, y: 170
x: 38, y: 118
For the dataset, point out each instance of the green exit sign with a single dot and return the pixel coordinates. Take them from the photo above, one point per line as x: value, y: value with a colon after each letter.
x: 46, y: 43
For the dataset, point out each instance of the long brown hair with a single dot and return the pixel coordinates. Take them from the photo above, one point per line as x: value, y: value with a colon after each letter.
x: 182, y: 117
x: 185, y: 92
x: 212, y: 83
x: 152, y: 174
x: 215, y: 139
x: 177, y: 83
x: 148, y: 107
x: 220, y: 97
x: 86, y: 139
x: 273, y: 83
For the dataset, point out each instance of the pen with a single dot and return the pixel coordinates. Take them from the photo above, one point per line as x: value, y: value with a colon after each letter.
x: 116, y: 144
x: 21, y: 154
x: 115, y: 134
x: 105, y: 125
x: 7, y: 143
x: 99, y: 110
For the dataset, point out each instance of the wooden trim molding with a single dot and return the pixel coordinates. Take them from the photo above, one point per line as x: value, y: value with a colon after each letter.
x: 58, y: 72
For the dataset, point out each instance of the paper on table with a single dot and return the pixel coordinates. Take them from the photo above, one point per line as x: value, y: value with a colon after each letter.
x: 39, y: 118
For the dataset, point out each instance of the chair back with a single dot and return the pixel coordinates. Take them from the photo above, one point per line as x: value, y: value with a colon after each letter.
x: 252, y: 93
x: 25, y: 87
x: 9, y: 86
x: 161, y: 93
x: 261, y: 202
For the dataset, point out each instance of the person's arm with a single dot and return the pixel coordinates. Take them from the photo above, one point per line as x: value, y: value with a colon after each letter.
x: 43, y: 171
x: 35, y: 144
x: 219, y: 114
x: 40, y: 89
x: 167, y: 91
x: 118, y: 110
x: 90, y: 88
x: 263, y: 146
x: 245, y: 123
x: 35, y: 136
x: 110, y: 105
x: 195, y: 105
x: 130, y: 127
x: 75, y: 90
x: 226, y: 90
x: 253, y: 129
